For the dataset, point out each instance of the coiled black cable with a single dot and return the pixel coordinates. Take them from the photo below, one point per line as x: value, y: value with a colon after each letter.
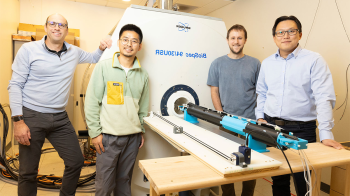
x: 281, y: 148
x: 45, y: 181
x: 5, y: 131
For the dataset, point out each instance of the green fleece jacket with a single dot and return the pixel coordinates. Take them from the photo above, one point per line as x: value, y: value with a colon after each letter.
x: 115, y: 103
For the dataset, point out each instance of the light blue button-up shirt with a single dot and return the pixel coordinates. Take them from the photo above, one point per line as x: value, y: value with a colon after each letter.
x: 298, y: 88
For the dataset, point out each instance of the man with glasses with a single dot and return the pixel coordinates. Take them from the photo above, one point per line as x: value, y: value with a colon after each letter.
x: 117, y: 99
x: 295, y: 88
x: 39, y: 91
x: 232, y: 79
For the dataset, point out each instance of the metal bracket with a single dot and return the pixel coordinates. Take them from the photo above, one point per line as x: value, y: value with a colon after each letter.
x: 178, y: 130
x: 145, y: 178
x: 239, y: 157
x: 246, y: 151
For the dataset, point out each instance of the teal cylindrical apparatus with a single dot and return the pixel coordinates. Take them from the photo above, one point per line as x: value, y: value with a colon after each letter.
x: 233, y: 123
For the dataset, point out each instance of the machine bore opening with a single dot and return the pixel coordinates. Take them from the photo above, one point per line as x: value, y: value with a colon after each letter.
x: 179, y: 102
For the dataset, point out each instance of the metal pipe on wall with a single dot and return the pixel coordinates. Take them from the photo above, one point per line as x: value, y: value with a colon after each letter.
x: 166, y: 4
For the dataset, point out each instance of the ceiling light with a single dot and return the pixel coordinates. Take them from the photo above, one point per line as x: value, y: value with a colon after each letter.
x: 126, y: 0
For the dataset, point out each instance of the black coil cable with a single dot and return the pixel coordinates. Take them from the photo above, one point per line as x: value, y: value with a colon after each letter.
x: 346, y: 72
x: 282, y: 150
x: 3, y: 160
x: 5, y: 128
x: 11, y: 171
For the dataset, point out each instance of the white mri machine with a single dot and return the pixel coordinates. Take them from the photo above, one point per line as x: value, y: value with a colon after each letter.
x: 178, y: 49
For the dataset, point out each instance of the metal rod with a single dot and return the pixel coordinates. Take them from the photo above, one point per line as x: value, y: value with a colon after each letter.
x: 208, y: 146
x: 195, y: 139
x: 161, y: 117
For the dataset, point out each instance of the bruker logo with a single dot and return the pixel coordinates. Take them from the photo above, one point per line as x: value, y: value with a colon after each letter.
x: 183, y: 27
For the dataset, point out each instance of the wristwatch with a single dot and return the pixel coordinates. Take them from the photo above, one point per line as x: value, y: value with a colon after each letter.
x: 17, y: 118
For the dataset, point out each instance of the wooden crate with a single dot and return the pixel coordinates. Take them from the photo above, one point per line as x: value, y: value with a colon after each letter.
x: 40, y: 33
x: 340, y: 177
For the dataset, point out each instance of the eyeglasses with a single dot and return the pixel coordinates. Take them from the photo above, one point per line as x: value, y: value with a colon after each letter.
x: 132, y: 41
x: 290, y: 32
x: 60, y: 25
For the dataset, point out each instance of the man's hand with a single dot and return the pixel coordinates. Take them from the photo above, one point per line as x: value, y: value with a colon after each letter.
x: 332, y: 143
x: 215, y: 97
x: 262, y: 120
x: 142, y: 141
x: 22, y: 132
x: 97, y: 142
x: 105, y: 43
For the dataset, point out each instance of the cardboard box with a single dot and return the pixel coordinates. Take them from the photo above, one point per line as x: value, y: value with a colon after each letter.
x: 40, y: 33
x: 71, y: 38
x: 77, y: 41
x: 32, y: 28
x: 17, y: 37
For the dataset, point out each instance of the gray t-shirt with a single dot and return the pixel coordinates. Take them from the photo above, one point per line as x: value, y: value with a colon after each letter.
x: 236, y: 79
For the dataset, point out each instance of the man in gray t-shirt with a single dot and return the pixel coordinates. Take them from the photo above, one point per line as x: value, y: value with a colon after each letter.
x: 232, y: 79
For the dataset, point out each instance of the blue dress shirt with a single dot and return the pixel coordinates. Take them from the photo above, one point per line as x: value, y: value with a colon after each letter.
x: 298, y: 88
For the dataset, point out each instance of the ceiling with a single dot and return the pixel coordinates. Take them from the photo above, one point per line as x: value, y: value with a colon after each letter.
x: 201, y: 7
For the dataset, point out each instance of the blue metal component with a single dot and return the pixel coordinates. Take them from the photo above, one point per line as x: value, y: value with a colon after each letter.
x: 238, y: 125
x: 295, y: 144
x: 234, y: 124
x: 256, y: 145
x: 189, y: 118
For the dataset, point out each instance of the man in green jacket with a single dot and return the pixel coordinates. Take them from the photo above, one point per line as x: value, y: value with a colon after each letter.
x: 117, y: 99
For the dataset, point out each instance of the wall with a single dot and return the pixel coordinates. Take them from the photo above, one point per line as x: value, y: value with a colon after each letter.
x: 9, y: 20
x: 94, y: 22
x: 327, y: 37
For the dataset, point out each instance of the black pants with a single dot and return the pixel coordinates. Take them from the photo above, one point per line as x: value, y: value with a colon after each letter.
x: 247, y: 188
x: 59, y: 131
x: 281, y: 184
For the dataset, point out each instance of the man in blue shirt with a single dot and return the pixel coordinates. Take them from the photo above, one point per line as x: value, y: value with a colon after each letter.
x: 295, y: 87
x: 39, y: 89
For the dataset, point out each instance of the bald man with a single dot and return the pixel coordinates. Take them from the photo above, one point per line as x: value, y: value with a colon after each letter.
x: 39, y: 90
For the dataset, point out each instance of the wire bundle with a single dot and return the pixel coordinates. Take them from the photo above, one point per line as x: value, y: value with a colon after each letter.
x: 307, y: 174
x: 9, y: 166
x: 305, y: 161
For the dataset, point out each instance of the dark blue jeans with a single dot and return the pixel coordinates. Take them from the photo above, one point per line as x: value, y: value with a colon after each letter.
x: 281, y: 184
